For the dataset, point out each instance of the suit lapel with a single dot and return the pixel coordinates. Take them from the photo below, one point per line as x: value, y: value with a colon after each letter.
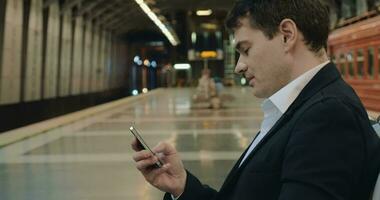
x: 234, y: 170
x: 324, y: 77
x: 283, y: 119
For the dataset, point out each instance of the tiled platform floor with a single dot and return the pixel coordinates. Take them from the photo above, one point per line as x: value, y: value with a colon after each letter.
x: 91, y: 159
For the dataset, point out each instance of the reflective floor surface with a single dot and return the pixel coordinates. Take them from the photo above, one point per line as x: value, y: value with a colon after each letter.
x: 92, y: 159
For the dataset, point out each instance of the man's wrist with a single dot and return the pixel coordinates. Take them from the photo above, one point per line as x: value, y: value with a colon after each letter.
x: 176, y: 194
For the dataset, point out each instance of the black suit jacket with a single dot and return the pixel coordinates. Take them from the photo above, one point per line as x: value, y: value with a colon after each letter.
x: 322, y: 148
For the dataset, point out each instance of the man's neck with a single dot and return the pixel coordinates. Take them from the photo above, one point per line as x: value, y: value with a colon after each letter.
x: 306, y: 61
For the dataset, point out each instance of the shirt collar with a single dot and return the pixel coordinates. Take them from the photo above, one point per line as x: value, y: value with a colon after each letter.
x: 283, y: 98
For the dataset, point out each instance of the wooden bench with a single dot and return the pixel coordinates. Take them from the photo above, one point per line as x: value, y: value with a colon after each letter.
x: 368, y: 91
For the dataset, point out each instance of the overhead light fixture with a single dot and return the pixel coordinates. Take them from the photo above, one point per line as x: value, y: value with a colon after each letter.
x: 135, y: 92
x: 204, y: 12
x: 147, y: 63
x: 180, y: 66
x: 136, y: 59
x: 170, y: 34
x: 153, y: 64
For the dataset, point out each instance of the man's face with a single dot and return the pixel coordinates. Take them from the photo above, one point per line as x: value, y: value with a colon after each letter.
x: 261, y: 61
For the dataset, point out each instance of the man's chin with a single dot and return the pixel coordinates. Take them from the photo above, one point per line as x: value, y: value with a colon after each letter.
x: 259, y: 94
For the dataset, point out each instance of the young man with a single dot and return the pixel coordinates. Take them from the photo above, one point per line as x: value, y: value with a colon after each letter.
x: 315, y: 142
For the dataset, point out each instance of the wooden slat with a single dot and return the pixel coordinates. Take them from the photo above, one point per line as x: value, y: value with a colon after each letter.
x: 355, y: 53
x: 347, y: 67
x: 368, y: 91
x: 376, y: 63
x: 365, y: 63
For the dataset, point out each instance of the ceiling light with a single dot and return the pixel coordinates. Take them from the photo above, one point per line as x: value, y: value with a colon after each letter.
x: 170, y: 34
x: 147, y: 63
x: 204, y: 12
x: 136, y: 59
x: 182, y: 66
x: 153, y: 64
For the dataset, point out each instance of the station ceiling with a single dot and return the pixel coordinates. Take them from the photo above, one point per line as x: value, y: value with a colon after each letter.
x: 126, y: 16
x: 122, y: 16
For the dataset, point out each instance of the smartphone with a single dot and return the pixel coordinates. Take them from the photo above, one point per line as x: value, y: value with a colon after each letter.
x: 143, y: 145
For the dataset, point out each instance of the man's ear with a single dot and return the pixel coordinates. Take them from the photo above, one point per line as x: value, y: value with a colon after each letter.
x: 288, y: 30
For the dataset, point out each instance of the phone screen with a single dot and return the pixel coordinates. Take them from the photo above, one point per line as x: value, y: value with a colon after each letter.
x: 143, y: 144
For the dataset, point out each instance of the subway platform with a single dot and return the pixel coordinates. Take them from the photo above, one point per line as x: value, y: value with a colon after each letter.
x: 87, y: 155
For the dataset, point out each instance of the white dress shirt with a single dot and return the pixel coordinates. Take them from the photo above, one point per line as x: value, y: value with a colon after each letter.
x: 277, y: 104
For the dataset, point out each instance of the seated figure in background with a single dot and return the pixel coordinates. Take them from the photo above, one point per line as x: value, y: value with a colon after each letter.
x: 206, y: 91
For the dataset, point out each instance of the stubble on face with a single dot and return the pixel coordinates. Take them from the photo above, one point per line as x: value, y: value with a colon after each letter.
x: 272, y: 80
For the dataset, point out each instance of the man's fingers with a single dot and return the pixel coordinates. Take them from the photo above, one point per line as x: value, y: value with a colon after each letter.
x: 160, y: 156
x: 165, y: 148
x: 156, y: 172
x: 142, y: 155
x: 145, y: 164
x: 135, y: 145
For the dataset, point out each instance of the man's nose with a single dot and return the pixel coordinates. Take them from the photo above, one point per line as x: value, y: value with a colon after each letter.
x: 241, y: 67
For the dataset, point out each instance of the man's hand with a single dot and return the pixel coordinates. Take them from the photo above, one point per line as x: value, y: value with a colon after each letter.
x: 171, y: 177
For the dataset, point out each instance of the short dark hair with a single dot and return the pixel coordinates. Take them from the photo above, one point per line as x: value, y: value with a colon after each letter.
x: 311, y: 17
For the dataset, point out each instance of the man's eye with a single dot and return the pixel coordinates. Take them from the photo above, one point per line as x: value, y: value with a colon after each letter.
x: 246, y: 51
